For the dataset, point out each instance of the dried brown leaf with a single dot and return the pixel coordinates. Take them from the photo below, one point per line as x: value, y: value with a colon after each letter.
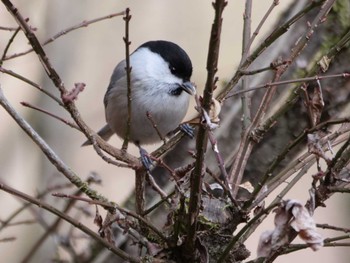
x: 316, y: 104
x: 98, y: 218
x: 247, y: 186
x: 290, y: 213
x: 303, y: 223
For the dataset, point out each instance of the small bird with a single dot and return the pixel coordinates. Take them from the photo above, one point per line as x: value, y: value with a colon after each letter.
x: 160, y: 88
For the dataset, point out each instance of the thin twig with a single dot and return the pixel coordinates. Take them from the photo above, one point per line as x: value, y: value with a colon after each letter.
x: 291, y: 81
x: 317, y: 69
x: 22, y: 222
x: 66, y: 31
x: 84, y: 199
x: 155, y: 126
x: 158, y: 204
x: 7, y: 239
x: 251, y: 225
x: 55, y: 78
x: 170, y: 144
x: 221, y: 164
x: 336, y: 189
x: 257, y: 30
x: 218, y: 156
x: 8, y: 45
x: 156, y: 187
x: 115, y: 206
x: 106, y: 158
x: 245, y: 98
x: 279, y: 197
x: 328, y: 242
x: 6, y: 222
x: 70, y: 124
x: 247, y: 25
x: 28, y: 81
x: 327, y: 226
x: 6, y: 28
x: 50, y: 229
x: 248, y: 140
x: 280, y: 157
x: 127, y: 42
x: 70, y: 220
x: 49, y: 153
x: 263, y: 46
x: 338, y: 162
x: 272, y: 66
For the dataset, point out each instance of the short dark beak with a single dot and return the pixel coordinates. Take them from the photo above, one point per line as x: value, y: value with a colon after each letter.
x: 189, y: 87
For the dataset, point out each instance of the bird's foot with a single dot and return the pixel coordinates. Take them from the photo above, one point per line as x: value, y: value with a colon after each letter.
x: 145, y: 159
x: 187, y: 129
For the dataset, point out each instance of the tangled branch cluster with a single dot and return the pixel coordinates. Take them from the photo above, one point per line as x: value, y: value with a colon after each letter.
x: 205, y: 205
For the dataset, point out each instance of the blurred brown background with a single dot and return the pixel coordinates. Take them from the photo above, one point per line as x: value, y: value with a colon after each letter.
x: 89, y: 55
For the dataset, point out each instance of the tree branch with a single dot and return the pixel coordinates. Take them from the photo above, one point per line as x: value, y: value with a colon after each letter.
x: 72, y: 221
x: 202, y: 136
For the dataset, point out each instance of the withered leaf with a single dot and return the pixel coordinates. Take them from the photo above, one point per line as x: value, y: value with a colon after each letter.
x: 290, y: 213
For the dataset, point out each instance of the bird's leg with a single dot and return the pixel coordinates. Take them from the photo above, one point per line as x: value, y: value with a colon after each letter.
x: 155, y: 126
x: 187, y: 129
x: 145, y: 158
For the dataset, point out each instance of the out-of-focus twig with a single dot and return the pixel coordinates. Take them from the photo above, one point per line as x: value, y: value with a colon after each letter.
x: 290, y: 81
x: 70, y: 124
x: 275, y: 180
x: 8, y: 45
x: 249, y: 139
x: 28, y: 81
x: 263, y: 46
x: 55, y: 78
x: 114, y: 206
x: 66, y: 31
x: 49, y: 153
x: 71, y: 220
x: 4, y: 28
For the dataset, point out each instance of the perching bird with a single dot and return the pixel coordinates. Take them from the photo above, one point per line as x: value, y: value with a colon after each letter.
x: 160, y: 86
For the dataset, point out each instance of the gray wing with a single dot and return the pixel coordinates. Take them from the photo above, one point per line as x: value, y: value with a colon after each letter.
x: 105, y: 133
x: 118, y: 73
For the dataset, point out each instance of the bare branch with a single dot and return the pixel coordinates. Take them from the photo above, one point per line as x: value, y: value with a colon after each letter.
x: 201, y: 141
x: 291, y: 81
x: 66, y: 31
x: 8, y: 45
x: 55, y: 78
x: 246, y: 101
x: 28, y: 81
x: 50, y: 154
x: 127, y: 42
x: 266, y: 43
x: 70, y: 124
x: 72, y: 221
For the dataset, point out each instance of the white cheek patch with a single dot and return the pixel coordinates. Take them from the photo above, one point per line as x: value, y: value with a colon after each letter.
x: 152, y: 67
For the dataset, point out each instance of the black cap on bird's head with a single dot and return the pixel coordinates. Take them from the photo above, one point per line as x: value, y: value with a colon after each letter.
x: 179, y: 62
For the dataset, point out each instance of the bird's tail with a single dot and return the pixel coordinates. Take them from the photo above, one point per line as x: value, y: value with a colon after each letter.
x: 105, y: 133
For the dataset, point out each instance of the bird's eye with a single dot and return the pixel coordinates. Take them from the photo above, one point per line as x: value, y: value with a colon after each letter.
x: 172, y: 69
